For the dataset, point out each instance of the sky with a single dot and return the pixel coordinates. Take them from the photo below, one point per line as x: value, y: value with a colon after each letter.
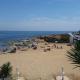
x: 40, y: 15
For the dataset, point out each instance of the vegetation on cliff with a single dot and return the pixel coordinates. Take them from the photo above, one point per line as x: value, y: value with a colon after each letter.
x: 61, y: 38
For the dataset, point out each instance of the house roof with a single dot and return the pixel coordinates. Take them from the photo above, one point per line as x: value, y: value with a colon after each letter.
x: 77, y: 37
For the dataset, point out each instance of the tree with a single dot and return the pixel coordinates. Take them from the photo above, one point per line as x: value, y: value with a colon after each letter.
x: 6, y: 70
x: 74, y: 54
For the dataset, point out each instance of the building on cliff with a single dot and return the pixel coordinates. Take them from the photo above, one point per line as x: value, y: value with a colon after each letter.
x: 73, y: 37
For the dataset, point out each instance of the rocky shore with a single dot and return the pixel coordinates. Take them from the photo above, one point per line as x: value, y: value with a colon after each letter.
x: 60, y: 38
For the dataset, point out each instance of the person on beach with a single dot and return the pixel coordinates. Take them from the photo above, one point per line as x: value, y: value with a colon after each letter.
x: 54, y: 45
x: 61, y: 47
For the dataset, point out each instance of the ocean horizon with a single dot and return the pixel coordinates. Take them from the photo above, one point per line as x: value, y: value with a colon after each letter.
x: 6, y: 36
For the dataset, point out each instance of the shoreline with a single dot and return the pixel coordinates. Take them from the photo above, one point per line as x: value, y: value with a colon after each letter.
x: 19, y: 37
x: 13, y: 46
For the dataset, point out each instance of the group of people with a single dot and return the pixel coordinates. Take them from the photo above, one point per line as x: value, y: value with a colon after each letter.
x: 55, y: 46
x: 58, y: 47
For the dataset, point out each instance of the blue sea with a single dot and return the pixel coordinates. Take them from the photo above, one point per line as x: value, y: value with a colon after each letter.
x: 6, y: 36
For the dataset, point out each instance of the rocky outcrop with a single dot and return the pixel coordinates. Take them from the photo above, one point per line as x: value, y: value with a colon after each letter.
x: 60, y: 38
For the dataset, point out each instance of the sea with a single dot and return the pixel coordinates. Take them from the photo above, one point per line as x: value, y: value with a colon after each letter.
x: 6, y: 36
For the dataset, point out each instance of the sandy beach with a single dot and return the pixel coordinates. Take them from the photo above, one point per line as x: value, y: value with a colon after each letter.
x: 37, y: 63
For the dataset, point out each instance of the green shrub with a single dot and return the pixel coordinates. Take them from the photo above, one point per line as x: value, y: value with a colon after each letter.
x: 6, y: 70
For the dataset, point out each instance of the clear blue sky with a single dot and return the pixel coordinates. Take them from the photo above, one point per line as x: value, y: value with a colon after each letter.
x: 40, y: 15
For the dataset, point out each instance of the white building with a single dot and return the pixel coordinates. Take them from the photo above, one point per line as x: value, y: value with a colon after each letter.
x: 74, y: 37
x: 71, y: 39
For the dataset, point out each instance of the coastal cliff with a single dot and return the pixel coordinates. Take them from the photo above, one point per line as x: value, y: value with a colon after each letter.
x: 60, y: 38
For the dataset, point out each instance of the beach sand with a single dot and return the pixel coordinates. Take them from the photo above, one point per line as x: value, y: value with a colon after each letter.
x: 37, y: 63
